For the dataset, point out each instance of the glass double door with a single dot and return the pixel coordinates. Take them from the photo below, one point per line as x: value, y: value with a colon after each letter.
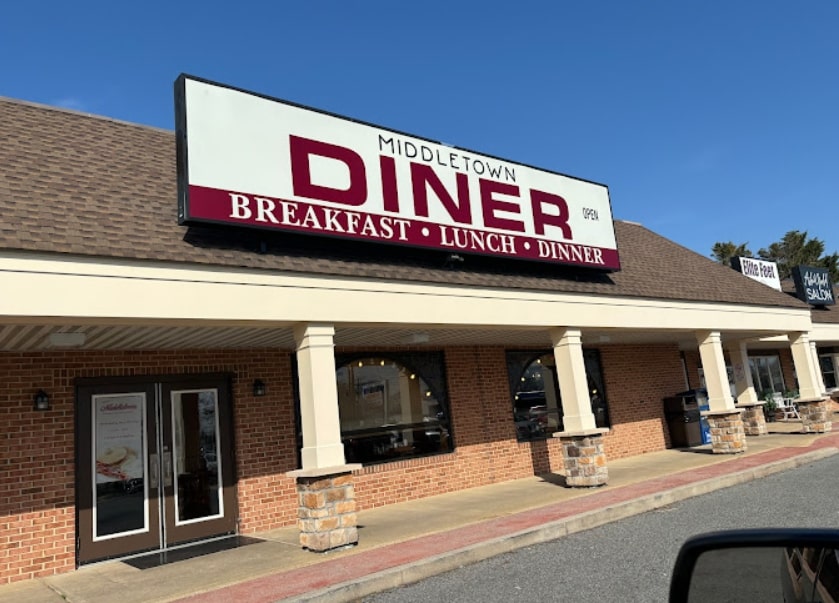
x: 155, y: 465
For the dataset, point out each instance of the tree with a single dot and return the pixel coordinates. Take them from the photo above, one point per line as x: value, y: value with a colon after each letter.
x: 797, y: 249
x: 723, y: 252
x: 794, y: 249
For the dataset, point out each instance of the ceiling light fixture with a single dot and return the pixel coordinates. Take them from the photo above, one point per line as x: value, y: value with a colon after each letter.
x: 416, y: 338
x: 67, y: 340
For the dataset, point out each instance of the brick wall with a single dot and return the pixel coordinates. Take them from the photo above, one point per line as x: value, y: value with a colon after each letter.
x: 637, y: 379
x: 37, y: 495
x: 37, y: 515
x: 787, y: 368
x: 486, y: 450
x: 692, y: 365
x: 37, y: 473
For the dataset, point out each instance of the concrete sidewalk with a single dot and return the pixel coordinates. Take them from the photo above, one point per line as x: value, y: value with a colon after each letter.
x: 405, y: 542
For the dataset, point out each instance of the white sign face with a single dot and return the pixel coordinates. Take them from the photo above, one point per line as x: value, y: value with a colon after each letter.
x: 761, y: 271
x: 250, y: 161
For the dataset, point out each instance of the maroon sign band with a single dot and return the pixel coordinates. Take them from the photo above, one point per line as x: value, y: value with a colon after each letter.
x: 259, y: 211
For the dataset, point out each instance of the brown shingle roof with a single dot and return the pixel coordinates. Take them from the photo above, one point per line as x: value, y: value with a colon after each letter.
x: 820, y: 314
x: 78, y: 184
x: 826, y: 314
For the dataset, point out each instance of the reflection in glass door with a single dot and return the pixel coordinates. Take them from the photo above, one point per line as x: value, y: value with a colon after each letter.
x: 195, y: 431
x: 155, y: 465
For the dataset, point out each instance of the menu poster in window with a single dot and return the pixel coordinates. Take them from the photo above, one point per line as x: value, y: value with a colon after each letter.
x: 119, y: 436
x: 372, y: 394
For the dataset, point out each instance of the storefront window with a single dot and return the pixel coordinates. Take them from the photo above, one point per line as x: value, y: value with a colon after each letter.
x: 766, y: 374
x: 828, y: 371
x: 537, y: 404
x: 392, y: 406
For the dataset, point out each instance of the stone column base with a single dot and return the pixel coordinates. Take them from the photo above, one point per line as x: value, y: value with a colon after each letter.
x: 754, y: 421
x: 326, y: 512
x: 584, y: 458
x: 727, y: 433
x: 815, y: 415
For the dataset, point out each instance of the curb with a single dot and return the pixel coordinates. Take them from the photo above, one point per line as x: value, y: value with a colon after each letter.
x: 438, y: 564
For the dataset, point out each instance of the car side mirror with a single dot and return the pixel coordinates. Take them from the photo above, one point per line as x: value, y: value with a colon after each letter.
x: 739, y: 566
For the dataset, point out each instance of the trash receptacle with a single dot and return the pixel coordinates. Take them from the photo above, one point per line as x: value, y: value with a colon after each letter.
x: 683, y: 419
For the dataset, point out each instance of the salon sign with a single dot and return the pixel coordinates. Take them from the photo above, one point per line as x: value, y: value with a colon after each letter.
x: 813, y: 285
x: 257, y: 162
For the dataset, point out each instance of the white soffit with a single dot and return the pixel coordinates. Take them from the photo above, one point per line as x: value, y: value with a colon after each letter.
x: 100, y: 293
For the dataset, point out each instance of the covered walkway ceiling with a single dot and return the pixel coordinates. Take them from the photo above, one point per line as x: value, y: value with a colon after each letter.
x: 37, y: 337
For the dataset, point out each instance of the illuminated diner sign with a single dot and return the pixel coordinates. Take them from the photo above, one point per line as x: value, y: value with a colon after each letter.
x: 252, y: 161
x: 758, y: 270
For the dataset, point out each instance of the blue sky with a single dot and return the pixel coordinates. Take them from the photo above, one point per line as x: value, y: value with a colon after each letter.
x: 708, y: 120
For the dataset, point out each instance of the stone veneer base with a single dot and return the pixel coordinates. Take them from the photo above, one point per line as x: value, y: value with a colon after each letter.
x: 584, y: 459
x: 327, y: 512
x: 754, y: 420
x: 728, y: 435
x: 815, y: 415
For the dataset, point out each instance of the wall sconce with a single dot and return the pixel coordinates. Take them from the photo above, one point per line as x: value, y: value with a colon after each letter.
x: 42, y: 400
x: 258, y: 388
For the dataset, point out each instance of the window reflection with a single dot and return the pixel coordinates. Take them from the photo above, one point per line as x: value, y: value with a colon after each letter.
x: 828, y: 370
x: 812, y: 574
x: 537, y: 404
x: 390, y: 410
x: 766, y: 374
x: 197, y: 472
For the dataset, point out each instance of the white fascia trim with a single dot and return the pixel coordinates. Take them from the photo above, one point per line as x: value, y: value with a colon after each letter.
x: 825, y: 333
x: 134, y: 292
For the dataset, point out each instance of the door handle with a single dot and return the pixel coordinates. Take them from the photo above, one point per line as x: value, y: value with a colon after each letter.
x: 154, y: 471
x: 167, y: 469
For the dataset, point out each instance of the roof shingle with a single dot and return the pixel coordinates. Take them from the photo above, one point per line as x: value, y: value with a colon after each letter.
x: 72, y: 183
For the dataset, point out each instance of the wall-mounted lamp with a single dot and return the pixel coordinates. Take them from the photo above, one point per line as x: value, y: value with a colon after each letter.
x: 258, y: 387
x: 452, y: 261
x: 42, y: 400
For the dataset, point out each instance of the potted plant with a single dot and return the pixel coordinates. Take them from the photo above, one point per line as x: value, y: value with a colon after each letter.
x: 770, y: 406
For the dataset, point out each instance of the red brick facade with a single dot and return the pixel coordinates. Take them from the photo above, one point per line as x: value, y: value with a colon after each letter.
x: 638, y: 378
x: 37, y: 488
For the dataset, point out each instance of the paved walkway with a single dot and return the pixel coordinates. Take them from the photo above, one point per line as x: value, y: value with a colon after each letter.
x: 405, y: 542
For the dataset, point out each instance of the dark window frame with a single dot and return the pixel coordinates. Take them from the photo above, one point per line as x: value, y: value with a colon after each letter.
x: 832, y: 380
x: 762, y: 388
x: 430, y: 366
x: 518, y: 361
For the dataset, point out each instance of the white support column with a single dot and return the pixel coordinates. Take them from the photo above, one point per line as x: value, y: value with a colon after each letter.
x: 809, y: 385
x: 713, y: 365
x: 743, y: 384
x: 573, y: 385
x: 818, y: 367
x: 322, y: 446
